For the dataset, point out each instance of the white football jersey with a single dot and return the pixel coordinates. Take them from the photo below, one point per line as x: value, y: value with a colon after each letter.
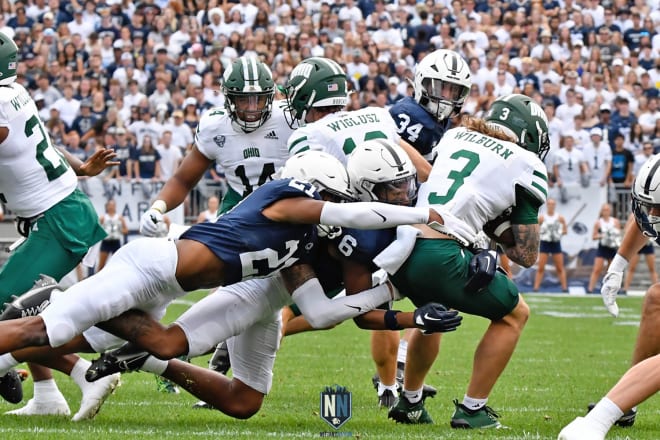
x: 474, y: 179
x: 248, y: 159
x: 34, y: 175
x: 339, y: 133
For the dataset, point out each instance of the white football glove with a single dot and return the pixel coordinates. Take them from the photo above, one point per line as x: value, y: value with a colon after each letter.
x: 609, y: 290
x: 149, y: 222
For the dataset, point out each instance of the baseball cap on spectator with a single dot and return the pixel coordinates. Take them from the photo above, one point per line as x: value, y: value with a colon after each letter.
x: 383, y: 58
x: 49, y: 32
x: 48, y: 16
x: 77, y: 11
x: 617, y: 62
x: 29, y: 56
x: 191, y: 62
x: 357, y: 53
x: 605, y: 107
x: 86, y: 103
x: 393, y: 80
x: 126, y: 57
x: 280, y: 30
x: 189, y: 101
x: 545, y: 33
x: 120, y: 130
x: 577, y: 41
x: 337, y: 40
x: 596, y: 131
x: 38, y: 97
x: 119, y: 44
x: 527, y: 60
x: 571, y: 74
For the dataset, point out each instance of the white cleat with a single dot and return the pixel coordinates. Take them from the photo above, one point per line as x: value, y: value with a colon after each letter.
x: 56, y: 407
x: 580, y: 429
x: 94, y: 395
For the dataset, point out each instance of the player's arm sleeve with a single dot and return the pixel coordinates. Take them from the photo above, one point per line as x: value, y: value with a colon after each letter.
x: 371, y: 215
x: 323, y: 312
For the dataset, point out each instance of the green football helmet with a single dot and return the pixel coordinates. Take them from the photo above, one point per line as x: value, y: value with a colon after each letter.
x: 522, y: 117
x: 8, y: 60
x: 314, y: 82
x: 249, y: 90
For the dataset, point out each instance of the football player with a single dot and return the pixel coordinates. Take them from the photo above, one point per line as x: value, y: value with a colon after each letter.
x: 640, y: 382
x: 442, y: 82
x: 38, y: 184
x: 482, y: 170
x: 268, y: 232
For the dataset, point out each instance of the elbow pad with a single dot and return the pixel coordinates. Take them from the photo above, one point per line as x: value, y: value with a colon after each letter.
x: 371, y: 215
x: 322, y: 312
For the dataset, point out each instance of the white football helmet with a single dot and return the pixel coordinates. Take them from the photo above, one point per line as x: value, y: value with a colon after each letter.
x: 322, y: 170
x: 380, y: 170
x: 646, y: 198
x: 442, y: 82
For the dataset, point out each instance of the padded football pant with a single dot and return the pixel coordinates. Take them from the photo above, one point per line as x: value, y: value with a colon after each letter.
x: 141, y: 276
x: 247, y: 316
x: 448, y: 261
x: 56, y: 244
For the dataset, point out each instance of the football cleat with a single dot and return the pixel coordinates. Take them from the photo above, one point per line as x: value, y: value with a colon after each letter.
x: 410, y: 413
x: 202, y: 405
x: 11, y: 388
x: 56, y: 407
x: 220, y: 361
x: 387, y: 399
x: 625, y: 421
x: 94, y: 395
x: 126, y: 358
x: 427, y: 391
x: 166, y: 386
x: 32, y: 302
x: 481, y: 418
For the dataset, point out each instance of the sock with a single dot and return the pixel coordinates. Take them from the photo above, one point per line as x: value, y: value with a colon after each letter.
x: 45, y: 390
x: 474, y: 404
x: 413, y: 396
x: 7, y: 362
x: 604, y: 414
x: 403, y: 349
x: 382, y: 388
x: 154, y: 365
x: 78, y: 373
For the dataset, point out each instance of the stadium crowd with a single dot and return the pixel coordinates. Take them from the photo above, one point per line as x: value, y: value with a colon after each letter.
x: 137, y: 75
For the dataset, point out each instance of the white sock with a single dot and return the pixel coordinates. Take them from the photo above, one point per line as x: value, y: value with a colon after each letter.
x: 45, y: 390
x: 154, y: 365
x: 474, y: 404
x: 382, y: 388
x: 7, y: 362
x: 78, y: 373
x: 604, y: 414
x: 413, y: 396
x: 403, y: 349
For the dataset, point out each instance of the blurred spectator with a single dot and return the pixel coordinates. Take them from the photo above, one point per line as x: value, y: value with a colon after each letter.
x: 116, y: 229
x: 211, y: 212
x: 85, y: 120
x: 599, y: 157
x: 145, y: 126
x: 553, y: 227
x: 170, y: 156
x: 569, y: 167
x: 622, y: 119
x: 607, y: 230
x: 622, y: 163
x: 125, y: 153
x: 146, y: 161
x: 566, y: 111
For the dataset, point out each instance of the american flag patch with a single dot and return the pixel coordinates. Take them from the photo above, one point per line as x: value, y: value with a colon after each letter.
x: 333, y: 87
x: 11, y: 65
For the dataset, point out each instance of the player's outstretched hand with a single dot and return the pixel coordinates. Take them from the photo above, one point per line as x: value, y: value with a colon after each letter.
x: 435, y: 318
x: 149, y: 222
x: 99, y: 161
x: 609, y: 291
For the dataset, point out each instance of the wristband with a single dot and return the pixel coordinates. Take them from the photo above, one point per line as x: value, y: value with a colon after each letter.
x: 159, y: 206
x: 618, y: 264
x: 390, y: 320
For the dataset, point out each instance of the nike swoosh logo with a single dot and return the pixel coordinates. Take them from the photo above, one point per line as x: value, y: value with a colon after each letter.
x: 431, y: 318
x: 359, y: 309
x: 379, y: 215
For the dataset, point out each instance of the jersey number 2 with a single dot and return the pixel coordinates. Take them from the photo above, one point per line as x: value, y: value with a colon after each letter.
x: 47, y: 156
x: 458, y: 176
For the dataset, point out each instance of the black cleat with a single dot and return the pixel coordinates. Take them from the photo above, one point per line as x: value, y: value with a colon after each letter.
x: 387, y: 399
x: 11, y: 387
x: 220, y: 361
x: 124, y: 359
x: 427, y: 391
x: 202, y: 405
x: 32, y: 302
x: 625, y: 421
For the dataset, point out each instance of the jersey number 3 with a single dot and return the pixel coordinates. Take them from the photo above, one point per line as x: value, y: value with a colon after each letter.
x: 457, y: 176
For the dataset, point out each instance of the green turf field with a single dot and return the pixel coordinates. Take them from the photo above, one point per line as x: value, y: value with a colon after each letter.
x: 571, y: 353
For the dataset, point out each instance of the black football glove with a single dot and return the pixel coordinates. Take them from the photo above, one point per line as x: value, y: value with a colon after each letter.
x: 481, y: 271
x: 435, y: 318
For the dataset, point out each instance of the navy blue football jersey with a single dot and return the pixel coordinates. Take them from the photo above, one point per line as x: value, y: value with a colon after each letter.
x: 357, y: 245
x: 416, y: 126
x: 250, y: 244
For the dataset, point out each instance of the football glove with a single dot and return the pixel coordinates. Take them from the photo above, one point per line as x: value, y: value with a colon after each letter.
x: 435, y: 318
x: 609, y: 290
x: 149, y: 222
x: 481, y: 270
